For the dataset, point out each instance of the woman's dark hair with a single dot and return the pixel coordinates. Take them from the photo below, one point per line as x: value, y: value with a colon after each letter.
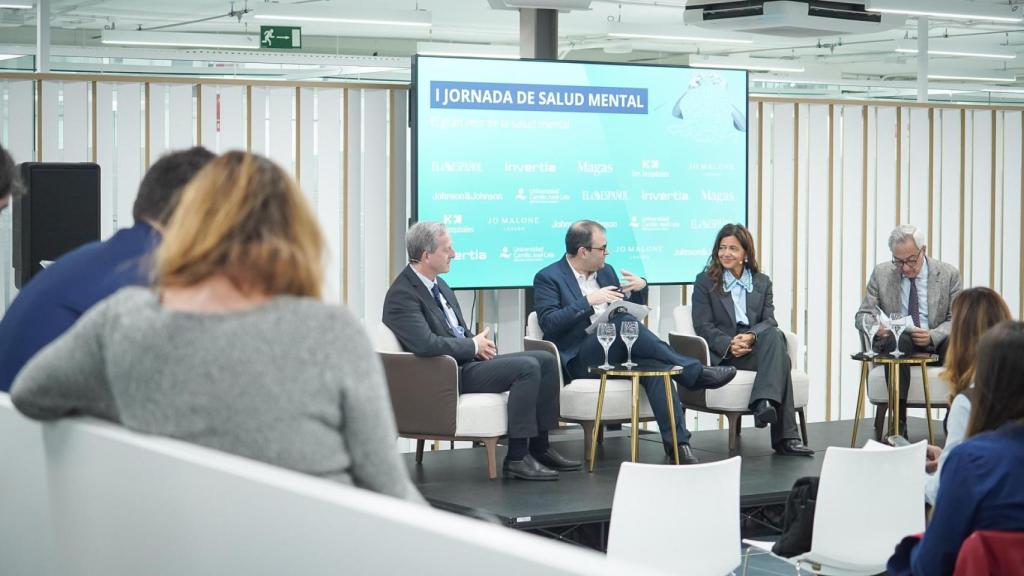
x: 714, y: 267
x: 8, y: 175
x: 998, y: 394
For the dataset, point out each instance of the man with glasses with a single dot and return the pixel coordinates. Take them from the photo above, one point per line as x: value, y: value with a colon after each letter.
x: 918, y: 288
x: 570, y: 294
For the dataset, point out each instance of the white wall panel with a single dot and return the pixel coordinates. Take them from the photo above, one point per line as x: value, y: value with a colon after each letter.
x: 307, y: 153
x: 231, y: 130
x: 885, y: 183
x: 51, y: 122
x: 258, y: 122
x: 917, y: 170
x: 282, y: 129
x: 129, y: 152
x: 981, y: 201
x: 76, y: 122
x: 208, y: 121
x: 375, y: 201
x: 106, y: 155
x: 181, y: 123
x: 329, y: 209
x: 967, y: 203
x: 156, y: 109
x: 850, y: 286
x: 753, y: 160
x: 1010, y: 239
x: 815, y: 250
x: 949, y: 150
x: 803, y: 191
x: 781, y: 213
x: 354, y: 255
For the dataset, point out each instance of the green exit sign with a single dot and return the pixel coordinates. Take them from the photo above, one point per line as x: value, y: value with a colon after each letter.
x: 281, y: 37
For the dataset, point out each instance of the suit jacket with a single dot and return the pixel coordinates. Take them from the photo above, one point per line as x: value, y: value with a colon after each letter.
x: 420, y: 326
x: 714, y: 314
x: 55, y: 298
x: 563, y: 311
x: 943, y: 284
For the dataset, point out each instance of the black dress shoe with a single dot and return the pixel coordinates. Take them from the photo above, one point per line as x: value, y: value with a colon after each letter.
x: 712, y: 377
x: 764, y: 414
x: 556, y: 461
x: 793, y: 447
x: 527, y: 469
x: 685, y: 453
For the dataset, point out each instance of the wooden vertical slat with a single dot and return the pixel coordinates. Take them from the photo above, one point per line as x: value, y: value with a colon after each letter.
x: 828, y: 264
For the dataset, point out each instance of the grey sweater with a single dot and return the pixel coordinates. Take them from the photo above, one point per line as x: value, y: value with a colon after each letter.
x: 293, y: 382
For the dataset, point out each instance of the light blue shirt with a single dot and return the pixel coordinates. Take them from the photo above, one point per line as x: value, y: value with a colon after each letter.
x: 449, y: 312
x: 956, y: 432
x: 922, y: 294
x: 735, y: 286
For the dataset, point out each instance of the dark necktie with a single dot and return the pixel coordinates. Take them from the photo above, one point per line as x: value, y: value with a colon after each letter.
x: 444, y: 313
x: 913, y: 305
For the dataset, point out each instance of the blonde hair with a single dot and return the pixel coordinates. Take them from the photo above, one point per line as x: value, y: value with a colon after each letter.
x: 242, y: 216
x: 975, y: 310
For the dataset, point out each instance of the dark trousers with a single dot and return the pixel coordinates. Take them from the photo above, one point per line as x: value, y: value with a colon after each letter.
x: 531, y: 380
x: 907, y: 346
x: 647, y: 347
x: 769, y: 358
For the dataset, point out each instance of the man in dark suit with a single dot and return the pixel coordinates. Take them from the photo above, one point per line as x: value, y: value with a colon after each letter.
x: 56, y: 297
x: 574, y: 291
x: 425, y: 316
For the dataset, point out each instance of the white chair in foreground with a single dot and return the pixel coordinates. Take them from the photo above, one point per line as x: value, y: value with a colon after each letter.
x: 650, y: 514
x: 733, y: 399
x: 868, y: 500
x: 427, y: 404
x: 578, y: 399
x: 83, y: 497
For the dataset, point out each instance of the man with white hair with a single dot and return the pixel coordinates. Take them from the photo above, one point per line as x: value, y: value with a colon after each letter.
x: 919, y: 288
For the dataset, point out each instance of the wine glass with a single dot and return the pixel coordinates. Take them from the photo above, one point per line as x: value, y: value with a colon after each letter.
x: 606, y: 335
x: 897, y: 325
x: 630, y: 332
x: 869, y: 324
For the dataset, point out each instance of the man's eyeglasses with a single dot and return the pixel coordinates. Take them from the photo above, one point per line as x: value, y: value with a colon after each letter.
x: 601, y: 248
x: 911, y: 262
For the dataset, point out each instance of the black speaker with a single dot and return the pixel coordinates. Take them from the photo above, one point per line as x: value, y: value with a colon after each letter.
x: 59, y: 212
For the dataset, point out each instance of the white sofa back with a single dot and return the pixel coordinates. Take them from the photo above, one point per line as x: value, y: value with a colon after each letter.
x: 81, y: 496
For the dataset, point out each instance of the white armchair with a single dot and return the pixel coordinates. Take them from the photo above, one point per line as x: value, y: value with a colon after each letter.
x: 578, y: 399
x: 733, y: 399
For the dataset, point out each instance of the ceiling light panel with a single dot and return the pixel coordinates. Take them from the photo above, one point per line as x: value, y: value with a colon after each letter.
x: 956, y: 47
x: 746, y: 63
x: 17, y: 4
x: 675, y: 34
x: 946, y: 9
x: 460, y: 49
x: 971, y: 74
x: 199, y: 40
x: 354, y: 15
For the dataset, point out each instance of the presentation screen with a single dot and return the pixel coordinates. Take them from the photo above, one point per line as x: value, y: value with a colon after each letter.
x: 508, y: 153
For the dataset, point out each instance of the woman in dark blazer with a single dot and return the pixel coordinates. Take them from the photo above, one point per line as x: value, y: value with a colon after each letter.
x: 733, y: 311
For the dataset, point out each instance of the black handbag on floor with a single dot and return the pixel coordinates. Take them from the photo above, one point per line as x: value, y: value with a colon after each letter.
x: 798, y: 519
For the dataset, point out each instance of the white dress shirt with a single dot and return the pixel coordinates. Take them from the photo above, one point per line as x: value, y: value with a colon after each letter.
x: 588, y: 285
x: 922, y: 294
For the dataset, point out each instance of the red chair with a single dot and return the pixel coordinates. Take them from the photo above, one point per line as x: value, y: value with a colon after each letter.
x: 991, y: 553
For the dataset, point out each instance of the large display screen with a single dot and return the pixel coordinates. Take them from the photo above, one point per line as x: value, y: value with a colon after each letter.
x: 508, y: 153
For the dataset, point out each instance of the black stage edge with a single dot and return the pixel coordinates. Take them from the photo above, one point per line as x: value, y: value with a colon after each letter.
x: 456, y: 480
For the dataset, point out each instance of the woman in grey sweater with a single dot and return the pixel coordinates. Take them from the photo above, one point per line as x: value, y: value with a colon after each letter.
x: 233, y: 349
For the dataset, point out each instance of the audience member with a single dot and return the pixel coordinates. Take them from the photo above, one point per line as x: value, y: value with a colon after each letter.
x: 572, y: 293
x: 733, y: 310
x: 915, y: 287
x: 975, y: 310
x: 983, y: 479
x: 8, y: 178
x: 56, y: 297
x: 426, y: 318
x: 233, y: 349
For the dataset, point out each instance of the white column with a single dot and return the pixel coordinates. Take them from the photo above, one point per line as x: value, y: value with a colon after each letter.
x: 922, y: 59
x: 42, y: 35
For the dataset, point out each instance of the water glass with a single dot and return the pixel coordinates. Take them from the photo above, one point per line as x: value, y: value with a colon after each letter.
x: 630, y: 332
x: 605, y: 336
x: 897, y: 325
x: 869, y: 324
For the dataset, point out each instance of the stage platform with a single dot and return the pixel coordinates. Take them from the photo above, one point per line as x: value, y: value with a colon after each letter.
x: 456, y: 480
